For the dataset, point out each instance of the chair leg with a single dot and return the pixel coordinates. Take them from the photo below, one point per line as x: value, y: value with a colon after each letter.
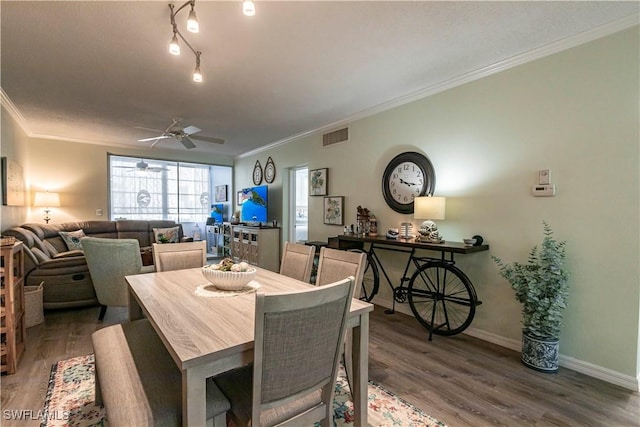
x: 103, y: 311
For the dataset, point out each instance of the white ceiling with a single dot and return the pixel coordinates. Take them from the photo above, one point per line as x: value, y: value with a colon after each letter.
x: 95, y: 71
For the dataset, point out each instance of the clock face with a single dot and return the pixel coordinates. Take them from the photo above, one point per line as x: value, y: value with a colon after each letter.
x: 407, y: 176
x: 257, y: 173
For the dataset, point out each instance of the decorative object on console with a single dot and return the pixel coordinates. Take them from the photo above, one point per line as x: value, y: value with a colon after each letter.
x: 362, y: 220
x: 269, y: 171
x: 405, y: 230
x: 257, y: 173
x: 392, y: 233
x: 318, y: 182
x: 373, y: 226
x: 334, y: 210
x: 407, y: 176
x: 429, y: 208
x: 46, y: 200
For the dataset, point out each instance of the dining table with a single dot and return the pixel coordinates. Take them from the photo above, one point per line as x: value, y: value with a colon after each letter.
x: 208, y: 332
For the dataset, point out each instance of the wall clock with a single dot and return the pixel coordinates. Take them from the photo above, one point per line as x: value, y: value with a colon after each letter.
x: 257, y: 173
x: 408, y: 175
x: 269, y: 171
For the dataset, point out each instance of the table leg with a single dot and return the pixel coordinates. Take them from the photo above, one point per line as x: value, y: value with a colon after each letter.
x: 135, y: 312
x: 194, y: 398
x: 360, y: 357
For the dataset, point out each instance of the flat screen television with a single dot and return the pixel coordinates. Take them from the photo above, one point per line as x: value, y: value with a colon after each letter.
x: 217, y: 213
x: 253, y: 204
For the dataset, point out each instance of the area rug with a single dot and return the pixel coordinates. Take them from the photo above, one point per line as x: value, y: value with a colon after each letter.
x: 70, y: 401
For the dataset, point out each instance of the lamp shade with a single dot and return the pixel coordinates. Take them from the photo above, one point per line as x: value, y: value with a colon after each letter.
x: 429, y: 207
x: 46, y: 199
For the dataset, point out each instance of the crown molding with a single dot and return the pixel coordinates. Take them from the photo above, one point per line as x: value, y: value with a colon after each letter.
x: 506, y: 64
x: 6, y: 102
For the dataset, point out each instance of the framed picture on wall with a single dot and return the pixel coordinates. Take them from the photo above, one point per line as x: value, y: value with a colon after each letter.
x: 13, y: 190
x: 334, y: 210
x: 221, y: 193
x: 318, y: 182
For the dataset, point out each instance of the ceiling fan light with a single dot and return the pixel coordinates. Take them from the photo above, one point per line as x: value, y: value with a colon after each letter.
x: 174, y: 47
x: 248, y: 8
x: 192, y: 22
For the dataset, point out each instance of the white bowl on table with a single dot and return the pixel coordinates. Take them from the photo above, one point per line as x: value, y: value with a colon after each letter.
x: 229, y: 280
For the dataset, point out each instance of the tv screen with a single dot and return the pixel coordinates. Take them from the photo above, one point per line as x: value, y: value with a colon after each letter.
x: 253, y: 204
x: 217, y: 213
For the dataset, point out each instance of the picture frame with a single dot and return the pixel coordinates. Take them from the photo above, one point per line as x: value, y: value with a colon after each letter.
x: 318, y: 182
x: 13, y: 188
x: 333, y: 213
x: 220, y: 193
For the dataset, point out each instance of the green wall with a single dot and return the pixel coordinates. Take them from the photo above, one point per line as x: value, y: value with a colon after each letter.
x: 575, y: 112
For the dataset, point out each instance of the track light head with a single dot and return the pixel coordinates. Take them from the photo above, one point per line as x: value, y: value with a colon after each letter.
x: 192, y: 22
x: 174, y: 47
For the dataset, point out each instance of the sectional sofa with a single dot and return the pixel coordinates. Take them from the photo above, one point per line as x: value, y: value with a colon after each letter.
x: 64, y: 271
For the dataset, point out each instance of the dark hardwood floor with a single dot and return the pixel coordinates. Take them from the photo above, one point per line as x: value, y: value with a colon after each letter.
x: 459, y: 380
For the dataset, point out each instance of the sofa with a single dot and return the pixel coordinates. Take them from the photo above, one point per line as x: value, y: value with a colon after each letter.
x: 67, y: 282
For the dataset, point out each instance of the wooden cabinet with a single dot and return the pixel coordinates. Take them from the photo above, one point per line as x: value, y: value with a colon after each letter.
x: 226, y: 238
x: 12, y: 329
x: 257, y: 246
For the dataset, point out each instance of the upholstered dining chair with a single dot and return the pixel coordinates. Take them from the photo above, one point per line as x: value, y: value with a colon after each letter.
x: 109, y: 260
x: 298, y: 341
x: 178, y: 256
x: 334, y: 265
x: 297, y: 261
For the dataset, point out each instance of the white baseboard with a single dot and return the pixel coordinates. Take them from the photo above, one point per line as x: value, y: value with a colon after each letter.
x: 595, y: 371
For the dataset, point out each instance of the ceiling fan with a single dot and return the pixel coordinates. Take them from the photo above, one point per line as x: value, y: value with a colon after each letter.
x: 143, y: 166
x: 181, y: 134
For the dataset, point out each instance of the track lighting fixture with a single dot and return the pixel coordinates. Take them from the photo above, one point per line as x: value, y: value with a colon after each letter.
x: 192, y: 26
x: 248, y: 8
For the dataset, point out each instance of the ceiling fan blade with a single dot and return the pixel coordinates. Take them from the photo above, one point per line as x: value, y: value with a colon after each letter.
x: 156, y: 141
x: 208, y: 139
x: 187, y: 143
x: 190, y: 130
x: 144, y: 128
x: 156, y: 169
x: 154, y: 137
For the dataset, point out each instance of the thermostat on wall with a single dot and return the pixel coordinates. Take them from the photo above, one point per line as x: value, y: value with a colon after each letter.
x: 545, y: 190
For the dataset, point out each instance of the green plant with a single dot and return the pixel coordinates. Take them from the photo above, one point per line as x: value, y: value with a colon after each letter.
x: 541, y: 286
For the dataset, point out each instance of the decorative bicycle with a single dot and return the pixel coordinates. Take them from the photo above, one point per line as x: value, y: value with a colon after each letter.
x: 440, y: 295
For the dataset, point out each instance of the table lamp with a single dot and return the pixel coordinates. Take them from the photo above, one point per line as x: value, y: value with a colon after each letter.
x: 429, y: 208
x: 47, y: 201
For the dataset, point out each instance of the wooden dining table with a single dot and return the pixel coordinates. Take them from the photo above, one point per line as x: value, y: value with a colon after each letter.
x: 209, y: 335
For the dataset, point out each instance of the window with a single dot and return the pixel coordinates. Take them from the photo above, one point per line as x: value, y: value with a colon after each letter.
x: 163, y: 189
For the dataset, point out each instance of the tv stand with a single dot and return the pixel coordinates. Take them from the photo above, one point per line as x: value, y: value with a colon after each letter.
x: 257, y: 245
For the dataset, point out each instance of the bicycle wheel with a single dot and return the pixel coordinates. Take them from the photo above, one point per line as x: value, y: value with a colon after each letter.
x: 442, y: 298
x: 370, y: 279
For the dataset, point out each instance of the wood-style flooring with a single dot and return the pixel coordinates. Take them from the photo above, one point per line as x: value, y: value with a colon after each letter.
x: 459, y: 380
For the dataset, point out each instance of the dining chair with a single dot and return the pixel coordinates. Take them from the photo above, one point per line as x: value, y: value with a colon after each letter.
x: 297, y: 261
x: 298, y: 341
x: 109, y: 261
x: 178, y: 256
x: 334, y: 265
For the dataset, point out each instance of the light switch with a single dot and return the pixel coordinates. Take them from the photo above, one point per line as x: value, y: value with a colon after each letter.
x: 98, y: 212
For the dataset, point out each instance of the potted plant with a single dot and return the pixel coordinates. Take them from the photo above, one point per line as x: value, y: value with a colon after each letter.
x: 541, y: 286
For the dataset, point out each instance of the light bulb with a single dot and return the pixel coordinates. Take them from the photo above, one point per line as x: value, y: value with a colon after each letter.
x: 248, y: 8
x: 192, y: 22
x: 174, y: 47
x: 197, y: 75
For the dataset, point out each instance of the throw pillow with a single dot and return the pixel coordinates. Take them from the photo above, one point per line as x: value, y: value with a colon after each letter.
x: 72, y: 239
x: 166, y: 235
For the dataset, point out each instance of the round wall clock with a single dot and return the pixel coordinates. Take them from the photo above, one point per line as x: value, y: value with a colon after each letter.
x: 269, y: 171
x: 257, y: 173
x: 408, y: 175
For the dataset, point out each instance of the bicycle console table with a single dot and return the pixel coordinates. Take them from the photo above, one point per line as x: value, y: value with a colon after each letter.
x: 441, y: 296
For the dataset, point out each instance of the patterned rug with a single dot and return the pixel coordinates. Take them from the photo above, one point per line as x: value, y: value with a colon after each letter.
x: 70, y: 401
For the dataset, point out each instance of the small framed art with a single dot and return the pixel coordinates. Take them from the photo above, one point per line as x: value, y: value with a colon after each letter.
x: 221, y: 193
x: 318, y: 182
x: 334, y: 210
